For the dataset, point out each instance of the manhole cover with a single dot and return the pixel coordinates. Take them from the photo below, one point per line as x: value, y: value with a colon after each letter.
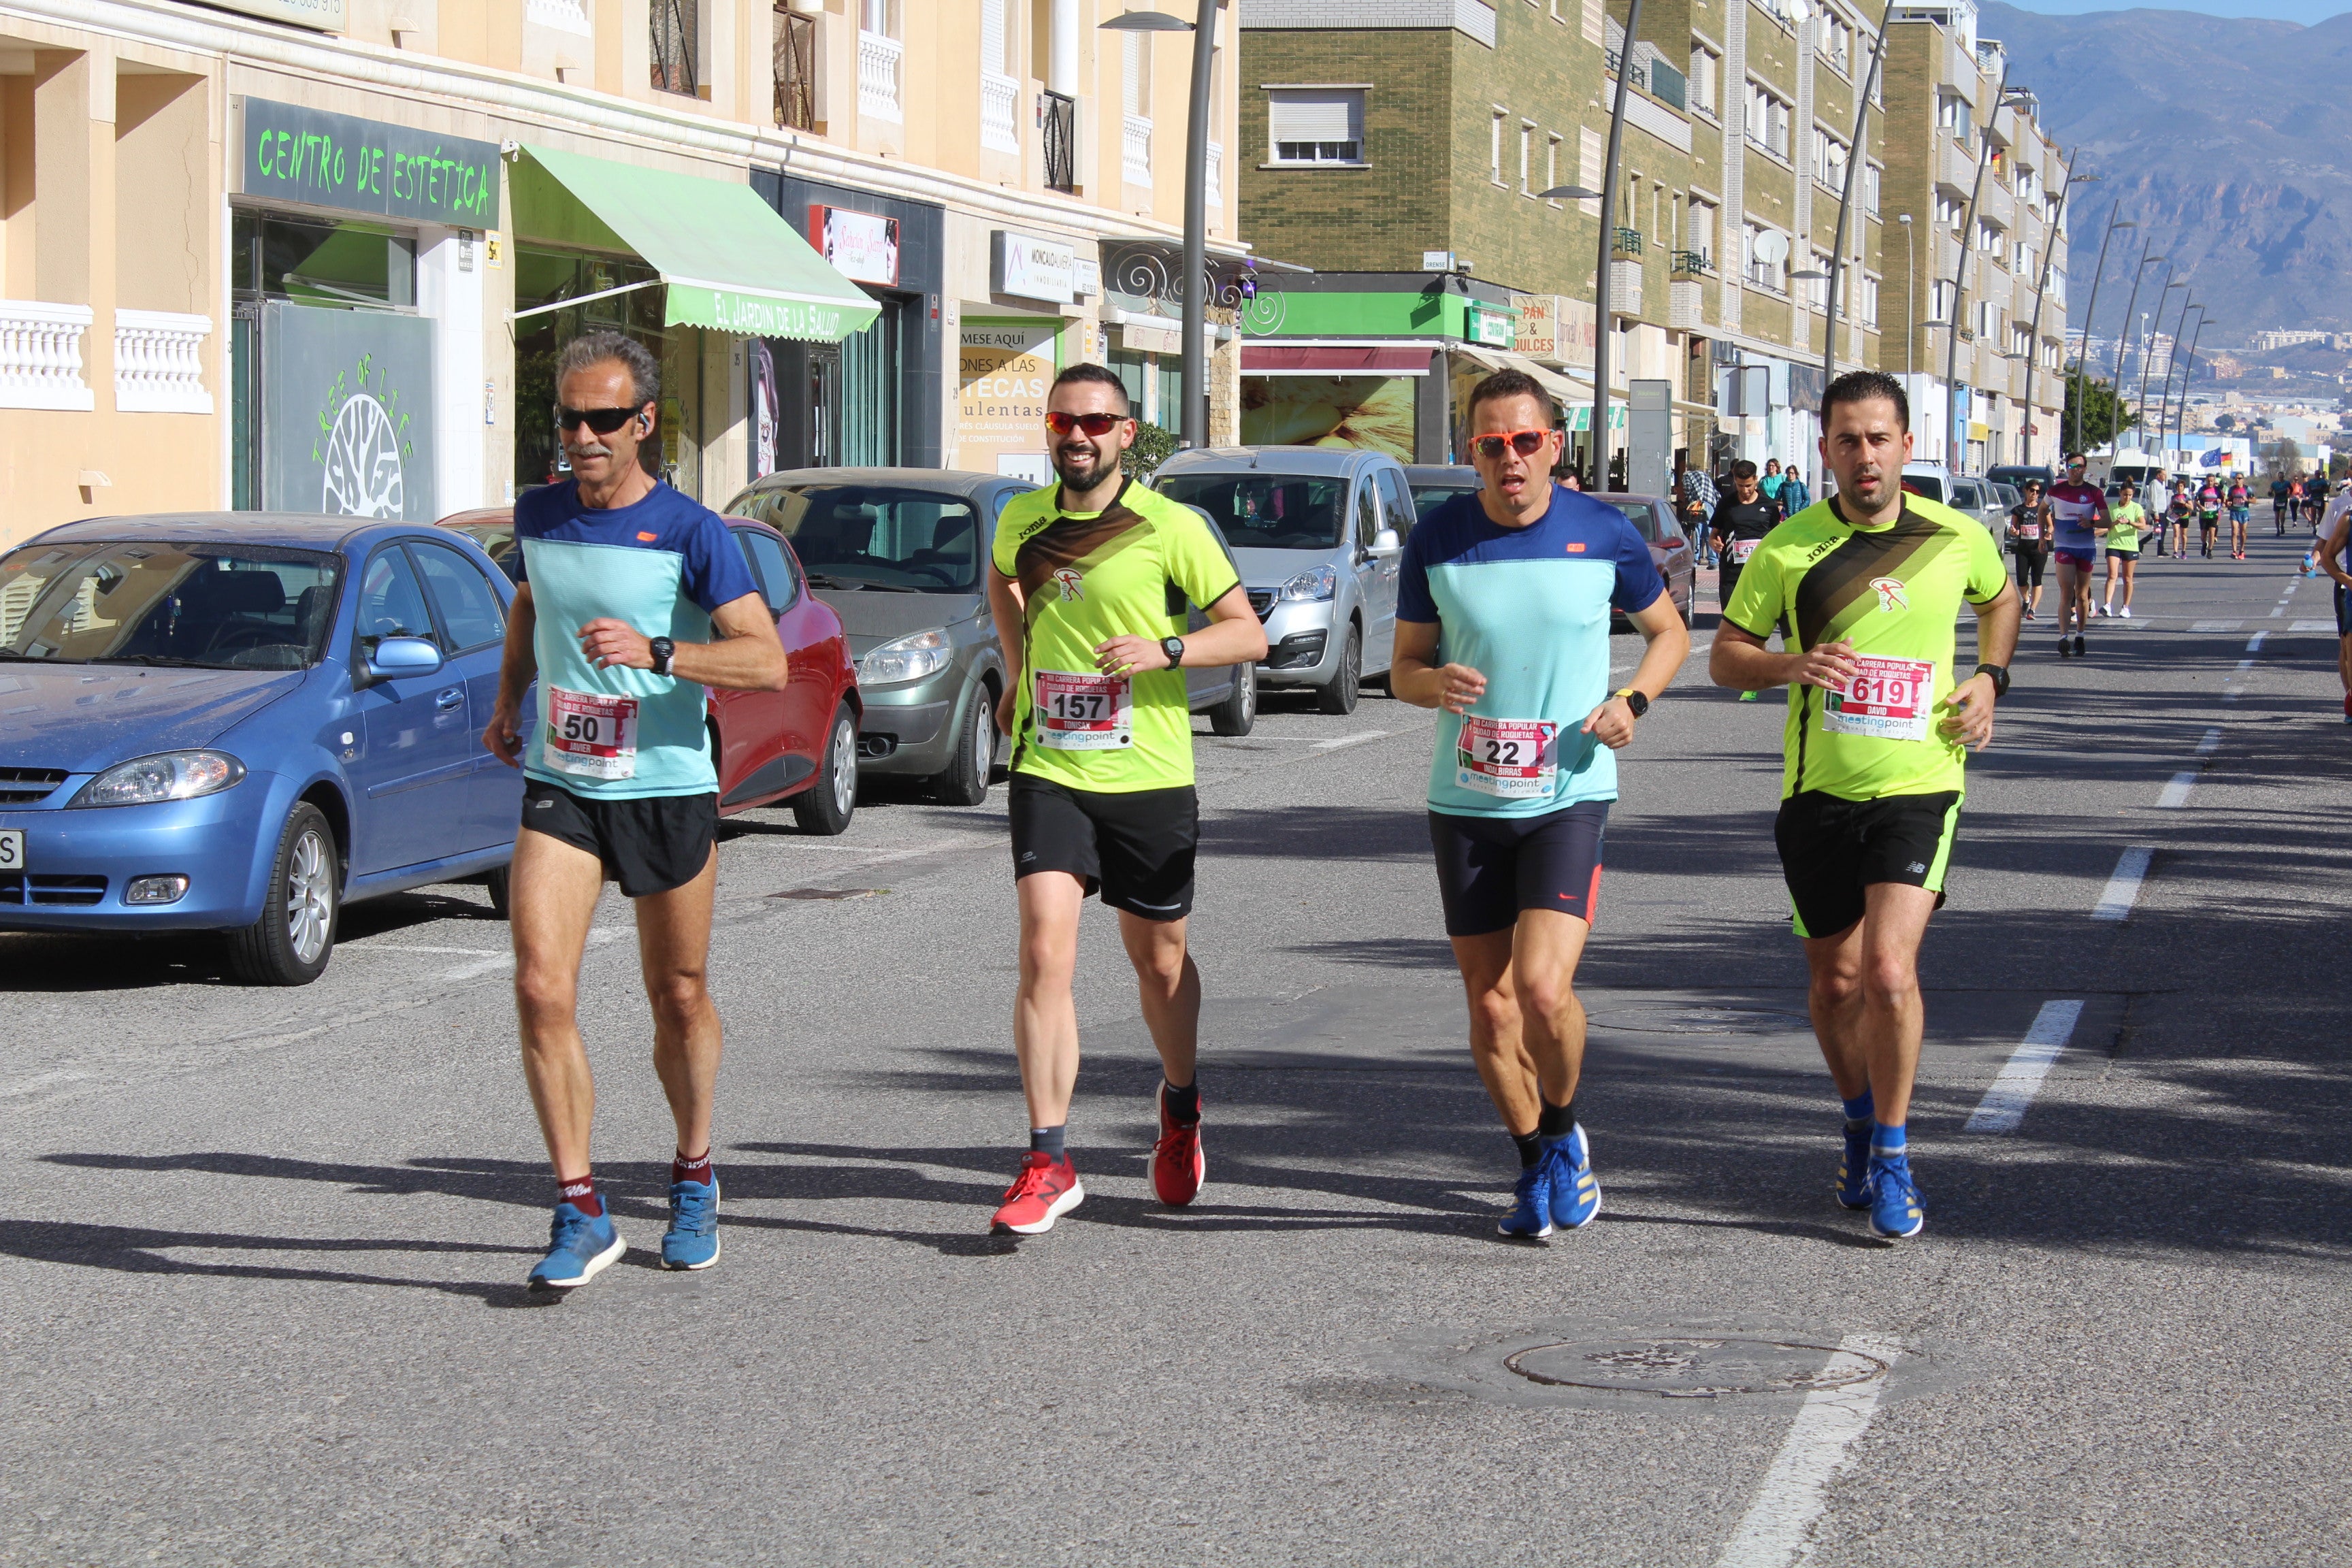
x: 1693, y: 1368
x: 829, y: 893
x: 1704, y: 1020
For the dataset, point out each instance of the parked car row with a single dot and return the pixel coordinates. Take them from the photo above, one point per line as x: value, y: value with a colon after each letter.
x: 245, y: 721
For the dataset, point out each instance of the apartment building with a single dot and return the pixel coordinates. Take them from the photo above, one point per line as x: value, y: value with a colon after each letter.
x: 318, y: 254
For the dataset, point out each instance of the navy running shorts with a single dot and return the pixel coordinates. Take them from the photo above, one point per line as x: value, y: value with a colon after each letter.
x: 1490, y: 869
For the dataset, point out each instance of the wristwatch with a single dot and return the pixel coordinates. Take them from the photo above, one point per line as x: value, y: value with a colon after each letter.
x: 664, y: 650
x: 1174, y: 648
x: 1634, y: 701
x: 1999, y: 673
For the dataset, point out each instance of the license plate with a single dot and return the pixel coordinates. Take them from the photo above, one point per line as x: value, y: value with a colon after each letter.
x: 12, y: 850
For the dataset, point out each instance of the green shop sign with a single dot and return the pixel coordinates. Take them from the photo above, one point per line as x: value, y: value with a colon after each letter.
x: 1300, y: 314
x: 325, y: 159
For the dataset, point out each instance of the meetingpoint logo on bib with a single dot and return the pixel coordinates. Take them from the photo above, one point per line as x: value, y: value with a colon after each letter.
x: 1891, y: 596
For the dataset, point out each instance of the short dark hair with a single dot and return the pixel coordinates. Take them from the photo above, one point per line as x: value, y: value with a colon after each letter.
x: 607, y: 347
x: 2031, y: 485
x: 2075, y: 458
x: 1743, y: 469
x: 1502, y: 384
x: 1866, y: 387
x: 1101, y: 374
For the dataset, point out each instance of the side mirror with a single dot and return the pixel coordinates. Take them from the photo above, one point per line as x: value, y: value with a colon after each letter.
x: 396, y: 656
x: 1386, y: 543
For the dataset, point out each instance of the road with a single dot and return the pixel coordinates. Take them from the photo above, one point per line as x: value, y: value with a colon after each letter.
x: 261, y: 1253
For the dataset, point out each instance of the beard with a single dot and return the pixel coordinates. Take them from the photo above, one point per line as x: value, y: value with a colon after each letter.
x: 1080, y: 468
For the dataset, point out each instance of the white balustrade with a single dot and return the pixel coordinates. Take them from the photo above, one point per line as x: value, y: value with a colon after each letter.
x: 562, y: 16
x: 878, y: 62
x: 999, y: 99
x: 41, y: 356
x: 1135, y: 147
x: 159, y: 363
x: 1214, y: 185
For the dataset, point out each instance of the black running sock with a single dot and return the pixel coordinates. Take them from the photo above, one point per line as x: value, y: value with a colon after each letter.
x: 1556, y: 1120
x: 1530, y: 1149
x: 580, y: 1194
x: 1184, y: 1104
x: 682, y: 1169
x: 1051, y: 1142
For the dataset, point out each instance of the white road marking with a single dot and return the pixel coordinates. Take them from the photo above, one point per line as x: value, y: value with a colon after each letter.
x: 2123, y: 887
x: 492, y: 962
x: 1795, y: 1491
x: 1343, y: 741
x: 2313, y: 627
x: 2215, y: 626
x: 2176, y: 794
x: 2254, y: 643
x: 2003, y: 1106
x: 2210, y: 744
x: 2244, y: 665
x: 394, y: 947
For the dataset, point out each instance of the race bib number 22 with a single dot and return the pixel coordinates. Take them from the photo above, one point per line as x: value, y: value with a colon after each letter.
x: 1510, y: 759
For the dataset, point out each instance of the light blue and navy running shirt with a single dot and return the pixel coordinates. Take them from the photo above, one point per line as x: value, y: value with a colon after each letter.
x: 661, y: 565
x: 1528, y: 609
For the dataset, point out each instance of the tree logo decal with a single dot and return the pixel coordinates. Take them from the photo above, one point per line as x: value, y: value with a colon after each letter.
x: 361, y: 445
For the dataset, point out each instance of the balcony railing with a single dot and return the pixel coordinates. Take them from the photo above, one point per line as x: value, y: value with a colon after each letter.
x: 795, y: 70
x: 878, y: 62
x: 1135, y: 149
x: 159, y: 365
x: 677, y: 45
x: 1000, y: 96
x: 41, y: 356
x: 1058, y: 121
x: 1625, y: 242
x: 1693, y: 263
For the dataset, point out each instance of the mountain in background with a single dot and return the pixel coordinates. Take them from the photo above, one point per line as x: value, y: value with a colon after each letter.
x: 2230, y: 141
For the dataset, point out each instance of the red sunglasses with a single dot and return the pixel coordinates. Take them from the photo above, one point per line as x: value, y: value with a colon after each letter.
x: 1526, y: 442
x: 1092, y: 424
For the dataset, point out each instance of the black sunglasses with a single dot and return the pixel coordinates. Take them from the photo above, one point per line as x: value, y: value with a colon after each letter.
x: 603, y: 421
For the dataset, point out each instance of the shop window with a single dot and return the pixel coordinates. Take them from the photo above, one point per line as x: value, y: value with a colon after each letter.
x: 677, y: 45
x: 550, y: 278
x: 872, y: 368
x: 358, y: 266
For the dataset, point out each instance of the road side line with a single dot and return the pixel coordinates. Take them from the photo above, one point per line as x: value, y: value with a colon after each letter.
x: 2123, y: 887
x: 2003, y: 1106
x: 1344, y: 742
x: 2210, y: 744
x: 2313, y: 627
x: 1795, y: 1489
x: 2176, y: 794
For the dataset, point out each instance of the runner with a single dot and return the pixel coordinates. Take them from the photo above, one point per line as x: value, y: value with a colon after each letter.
x: 630, y: 600
x: 2334, y: 530
x: 2315, y: 507
x: 1088, y: 590
x: 1741, y: 521
x: 2241, y: 512
x: 2280, y: 488
x: 2294, y: 493
x: 2209, y: 515
x: 2125, y: 520
x: 1516, y: 582
x: 2178, y: 516
x: 2080, y: 509
x: 1872, y: 582
x: 2030, y: 527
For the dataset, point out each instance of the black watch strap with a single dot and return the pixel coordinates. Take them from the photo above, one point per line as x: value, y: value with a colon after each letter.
x: 664, y: 650
x: 1174, y: 648
x: 1999, y: 673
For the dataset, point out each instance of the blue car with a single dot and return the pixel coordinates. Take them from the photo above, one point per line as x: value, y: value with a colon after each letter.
x: 242, y: 722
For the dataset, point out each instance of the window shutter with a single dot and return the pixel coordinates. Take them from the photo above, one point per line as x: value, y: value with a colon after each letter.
x: 1590, y: 149
x: 1316, y: 114
x: 992, y: 35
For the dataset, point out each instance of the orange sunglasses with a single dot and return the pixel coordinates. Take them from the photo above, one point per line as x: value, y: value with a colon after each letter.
x: 1526, y: 442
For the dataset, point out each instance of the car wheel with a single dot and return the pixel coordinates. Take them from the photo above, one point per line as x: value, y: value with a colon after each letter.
x: 500, y: 883
x: 964, y: 780
x: 1339, y: 696
x: 1237, y: 714
x: 295, y: 937
x: 825, y: 805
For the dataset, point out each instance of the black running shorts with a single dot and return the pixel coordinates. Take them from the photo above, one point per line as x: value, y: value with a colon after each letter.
x: 2343, y: 611
x: 1832, y: 848
x: 649, y: 846
x: 2030, y: 564
x: 1490, y: 869
x: 1136, y: 847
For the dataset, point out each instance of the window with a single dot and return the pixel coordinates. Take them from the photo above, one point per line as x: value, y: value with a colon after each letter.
x: 2021, y: 341
x: 1829, y: 160
x: 1948, y: 211
x: 677, y: 45
x: 1939, y: 300
x: 2023, y: 264
x: 1988, y: 320
x: 1551, y: 161
x: 924, y: 539
x: 1703, y: 64
x: 1953, y: 115
x: 1527, y: 156
x: 470, y: 608
x: 1768, y: 120
x: 1866, y: 288
x: 1990, y: 240
x: 392, y: 601
x: 1590, y: 150
x: 772, y: 566
x: 1772, y: 275
x: 1368, y: 512
x: 1310, y: 125
x: 1870, y: 189
x: 1836, y: 43
x: 1135, y: 73
x: 1396, y: 503
x: 1701, y: 238
x: 1495, y: 147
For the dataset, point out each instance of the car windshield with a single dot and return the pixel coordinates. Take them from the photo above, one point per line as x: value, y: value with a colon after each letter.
x: 875, y: 537
x: 1428, y: 498
x: 1265, y: 511
x: 1641, y: 515
x: 217, y: 606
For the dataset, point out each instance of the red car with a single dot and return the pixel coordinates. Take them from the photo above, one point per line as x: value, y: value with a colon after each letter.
x: 799, y: 744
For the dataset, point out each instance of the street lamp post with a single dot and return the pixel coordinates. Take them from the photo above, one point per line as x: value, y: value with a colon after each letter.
x: 1910, y: 293
x: 2042, y: 288
x: 2090, y: 314
x: 1960, y: 279
x: 2123, y: 345
x: 1601, y: 322
x: 2149, y: 346
x: 2189, y: 374
x: 1194, y: 384
x: 2171, y: 363
x: 1853, y: 158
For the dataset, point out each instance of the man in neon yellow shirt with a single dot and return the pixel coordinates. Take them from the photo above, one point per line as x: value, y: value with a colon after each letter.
x: 2125, y: 520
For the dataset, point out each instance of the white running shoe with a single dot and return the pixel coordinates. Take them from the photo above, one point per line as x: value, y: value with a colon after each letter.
x: 2125, y: 612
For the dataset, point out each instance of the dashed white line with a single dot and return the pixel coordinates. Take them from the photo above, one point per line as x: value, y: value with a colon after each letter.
x: 2210, y: 744
x: 2214, y: 626
x: 2254, y: 644
x: 2003, y: 1106
x: 2176, y: 794
x: 2313, y: 627
x: 2123, y: 889
x: 1774, y: 1533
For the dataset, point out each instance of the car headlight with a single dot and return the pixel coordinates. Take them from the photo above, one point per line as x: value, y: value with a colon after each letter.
x: 1314, y: 582
x: 168, y: 776
x: 908, y: 659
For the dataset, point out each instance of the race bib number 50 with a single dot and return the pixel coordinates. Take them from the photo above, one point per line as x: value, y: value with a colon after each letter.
x: 591, y: 736
x: 1510, y: 759
x: 1084, y: 713
x: 1887, y: 698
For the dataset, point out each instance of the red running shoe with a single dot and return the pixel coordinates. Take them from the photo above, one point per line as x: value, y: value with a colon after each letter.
x: 1044, y: 1191
x: 1178, y: 1166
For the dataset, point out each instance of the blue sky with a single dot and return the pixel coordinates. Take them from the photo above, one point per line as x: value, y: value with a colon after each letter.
x: 2306, y: 12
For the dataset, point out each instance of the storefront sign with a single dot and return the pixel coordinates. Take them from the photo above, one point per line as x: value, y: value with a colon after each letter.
x: 328, y: 16
x: 1029, y: 268
x: 1489, y: 327
x: 1555, y: 329
x: 862, y: 247
x: 348, y: 411
x: 325, y: 159
x: 1004, y: 369
x: 1152, y: 339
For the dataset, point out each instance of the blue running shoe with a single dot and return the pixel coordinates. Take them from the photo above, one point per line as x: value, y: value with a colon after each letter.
x: 1895, y: 1210
x: 692, y: 1240
x: 579, y: 1247
x: 1854, y: 1169
x: 1575, y: 1190
x: 1530, y: 1215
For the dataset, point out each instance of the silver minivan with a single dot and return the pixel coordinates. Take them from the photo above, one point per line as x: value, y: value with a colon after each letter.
x: 1319, y: 533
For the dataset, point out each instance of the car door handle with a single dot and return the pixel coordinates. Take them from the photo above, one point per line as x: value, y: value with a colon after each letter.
x: 450, y: 699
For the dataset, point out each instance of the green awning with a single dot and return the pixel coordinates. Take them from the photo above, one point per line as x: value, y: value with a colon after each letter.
x: 728, y: 261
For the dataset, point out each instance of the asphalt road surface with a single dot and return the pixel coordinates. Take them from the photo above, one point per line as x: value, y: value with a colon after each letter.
x: 261, y: 1253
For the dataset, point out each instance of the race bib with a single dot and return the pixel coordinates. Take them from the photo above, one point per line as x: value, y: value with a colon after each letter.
x: 592, y: 737
x: 1887, y: 698
x: 2029, y: 531
x: 1742, y: 549
x: 1084, y: 713
x: 1510, y: 759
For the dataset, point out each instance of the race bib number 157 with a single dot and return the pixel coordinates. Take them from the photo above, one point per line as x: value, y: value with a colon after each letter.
x: 1084, y: 713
